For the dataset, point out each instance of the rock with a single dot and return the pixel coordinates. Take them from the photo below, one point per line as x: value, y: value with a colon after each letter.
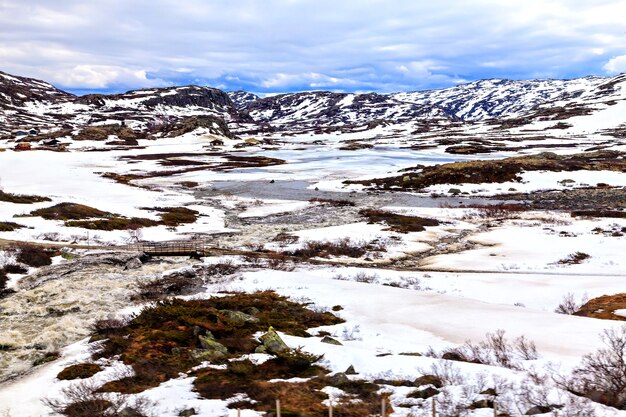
x: 428, y: 380
x: 273, y: 343
x: 350, y: 370
x: 130, y: 412
x: 490, y: 391
x: 204, y: 355
x: 260, y: 349
x: 481, y: 404
x: 252, y: 311
x: 538, y: 409
x: 453, y: 356
x: 338, y: 379
x: 188, y: 413
x: 424, y: 393
x: 331, y: 341
x: 134, y: 263
x: 238, y: 317
x: 212, y: 350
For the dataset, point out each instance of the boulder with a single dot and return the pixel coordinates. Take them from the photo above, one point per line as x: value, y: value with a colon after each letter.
x: 238, y: 317
x: 538, y: 409
x: 272, y: 342
x: 424, y: 393
x: 211, y: 349
x: 331, y: 341
x: 428, y: 380
x: 134, y: 263
x: 350, y: 370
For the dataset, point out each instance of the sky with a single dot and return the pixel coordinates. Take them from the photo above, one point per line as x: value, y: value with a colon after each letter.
x: 273, y: 46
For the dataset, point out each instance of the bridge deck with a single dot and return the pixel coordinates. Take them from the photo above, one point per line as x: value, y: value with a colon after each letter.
x: 171, y: 248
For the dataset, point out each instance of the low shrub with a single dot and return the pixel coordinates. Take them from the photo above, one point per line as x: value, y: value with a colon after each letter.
x: 574, y: 258
x: 79, y: 371
x: 325, y: 249
x: 177, y: 284
x: 173, y: 336
x: 32, y: 255
x: 70, y: 211
x: 14, y: 269
x: 116, y: 223
x: 175, y: 216
x: 21, y: 199
x: 398, y: 222
x: 333, y: 202
x: 10, y: 226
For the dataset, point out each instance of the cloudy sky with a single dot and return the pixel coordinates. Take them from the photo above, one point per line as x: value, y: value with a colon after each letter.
x: 268, y: 46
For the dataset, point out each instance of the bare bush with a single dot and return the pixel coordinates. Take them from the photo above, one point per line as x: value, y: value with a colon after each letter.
x: 83, y: 400
x: 495, y: 350
x: 601, y: 376
x: 447, y: 373
x: 325, y: 249
x: 569, y: 305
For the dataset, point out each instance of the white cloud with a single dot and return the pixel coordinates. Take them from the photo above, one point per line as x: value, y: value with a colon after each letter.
x: 102, y: 76
x: 616, y: 65
x: 276, y: 45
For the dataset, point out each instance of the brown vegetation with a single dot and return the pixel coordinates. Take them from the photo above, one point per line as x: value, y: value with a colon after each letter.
x: 79, y: 371
x: 325, y: 249
x: 33, y: 255
x: 398, y: 222
x: 21, y: 199
x: 10, y: 226
x: 498, y: 171
x: 333, y: 202
x: 79, y: 215
x: 175, y: 335
x: 70, y: 211
x: 604, y: 307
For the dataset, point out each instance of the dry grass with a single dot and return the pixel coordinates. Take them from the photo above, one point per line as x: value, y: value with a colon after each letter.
x: 21, y: 199
x: 499, y: 171
x: 175, y: 216
x: 116, y: 223
x: 79, y: 371
x: 325, y: 249
x: 604, y: 307
x: 70, y: 211
x: 599, y: 213
x: 333, y: 202
x: 163, y: 340
x: 574, y: 258
x: 398, y: 222
x: 10, y: 226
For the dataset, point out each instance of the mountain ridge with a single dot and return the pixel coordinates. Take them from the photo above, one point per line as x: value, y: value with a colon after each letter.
x: 28, y: 102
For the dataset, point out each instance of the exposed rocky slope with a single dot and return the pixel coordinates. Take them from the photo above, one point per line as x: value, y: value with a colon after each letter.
x: 26, y: 103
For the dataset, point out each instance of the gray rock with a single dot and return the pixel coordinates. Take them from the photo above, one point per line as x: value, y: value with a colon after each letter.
x: 273, y: 343
x: 134, y: 263
x: 428, y: 380
x: 212, y: 350
x: 424, y: 393
x: 350, y: 370
x: 239, y: 317
x: 331, y: 341
x: 538, y: 409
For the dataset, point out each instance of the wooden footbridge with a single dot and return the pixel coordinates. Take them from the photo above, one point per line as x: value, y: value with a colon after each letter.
x: 193, y: 248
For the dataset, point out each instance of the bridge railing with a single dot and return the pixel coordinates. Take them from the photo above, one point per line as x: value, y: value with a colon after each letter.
x: 169, y: 248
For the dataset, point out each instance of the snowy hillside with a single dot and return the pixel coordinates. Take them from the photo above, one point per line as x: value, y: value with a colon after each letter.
x: 323, y: 108
x: 487, y: 99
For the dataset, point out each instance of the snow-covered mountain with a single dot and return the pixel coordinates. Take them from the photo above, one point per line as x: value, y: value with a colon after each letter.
x: 27, y: 103
x: 496, y: 98
x: 242, y: 98
x: 323, y: 108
